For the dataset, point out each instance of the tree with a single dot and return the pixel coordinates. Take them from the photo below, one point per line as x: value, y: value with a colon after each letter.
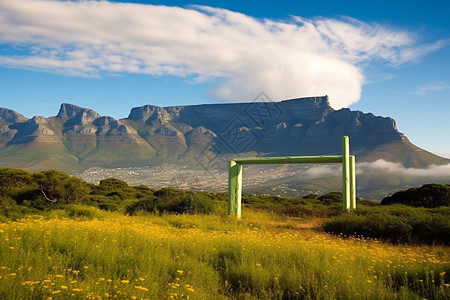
x: 75, y: 188
x: 55, y: 185
x: 113, y: 184
x: 13, y: 181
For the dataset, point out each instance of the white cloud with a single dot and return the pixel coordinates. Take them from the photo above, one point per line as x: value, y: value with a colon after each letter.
x: 322, y: 171
x: 378, y: 168
x: 296, y: 58
x: 431, y: 88
x: 383, y: 166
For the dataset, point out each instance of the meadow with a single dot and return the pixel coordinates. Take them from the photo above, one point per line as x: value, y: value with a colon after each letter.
x: 167, y: 256
x: 62, y: 238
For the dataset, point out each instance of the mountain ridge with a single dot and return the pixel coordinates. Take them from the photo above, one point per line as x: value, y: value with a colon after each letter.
x: 208, y: 135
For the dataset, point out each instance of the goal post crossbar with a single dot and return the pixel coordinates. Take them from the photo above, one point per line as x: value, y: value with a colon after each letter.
x: 348, y: 174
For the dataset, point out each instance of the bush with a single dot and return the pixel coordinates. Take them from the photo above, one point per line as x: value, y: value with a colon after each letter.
x: 101, y: 202
x: 109, y: 206
x: 79, y: 210
x: 429, y: 195
x: 398, y: 224
x: 16, y: 212
x: 167, y: 195
x: 191, y: 203
x: 331, y: 198
x: 15, y: 181
x: 112, y: 184
x: 145, y: 205
x: 305, y: 211
x: 11, y: 211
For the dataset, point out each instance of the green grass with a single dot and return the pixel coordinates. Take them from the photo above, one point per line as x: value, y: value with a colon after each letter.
x: 39, y: 157
x: 104, y: 255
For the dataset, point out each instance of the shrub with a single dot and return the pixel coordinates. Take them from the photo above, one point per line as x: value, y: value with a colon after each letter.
x: 331, y: 198
x: 109, y: 206
x: 398, y: 224
x: 305, y: 211
x: 79, y: 210
x: 101, y: 202
x: 16, y: 212
x: 429, y: 195
x: 167, y: 195
x: 145, y: 205
x: 15, y: 181
x: 191, y: 203
x: 11, y: 211
x: 111, y: 184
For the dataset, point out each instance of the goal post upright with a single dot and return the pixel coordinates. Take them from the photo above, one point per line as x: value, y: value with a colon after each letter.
x: 348, y: 174
x: 234, y: 188
x: 345, y: 173
x: 352, y: 182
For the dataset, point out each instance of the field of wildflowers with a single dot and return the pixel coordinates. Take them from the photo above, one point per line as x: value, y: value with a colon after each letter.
x: 261, y: 256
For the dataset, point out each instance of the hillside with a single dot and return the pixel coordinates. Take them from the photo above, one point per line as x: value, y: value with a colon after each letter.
x: 200, y: 135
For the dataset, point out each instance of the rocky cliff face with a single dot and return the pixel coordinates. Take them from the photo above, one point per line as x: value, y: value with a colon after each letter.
x: 8, y: 120
x: 292, y: 127
x: 201, y: 134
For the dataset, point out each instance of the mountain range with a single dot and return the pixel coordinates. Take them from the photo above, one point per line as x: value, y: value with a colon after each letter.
x: 206, y: 135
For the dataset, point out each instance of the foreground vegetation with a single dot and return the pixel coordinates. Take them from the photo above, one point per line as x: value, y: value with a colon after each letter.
x: 397, y: 224
x: 207, y: 257
x: 61, y: 237
x: 23, y: 193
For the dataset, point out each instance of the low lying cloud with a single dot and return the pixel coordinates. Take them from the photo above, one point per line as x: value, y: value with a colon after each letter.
x: 378, y: 168
x: 383, y: 166
x: 322, y: 171
x: 242, y: 55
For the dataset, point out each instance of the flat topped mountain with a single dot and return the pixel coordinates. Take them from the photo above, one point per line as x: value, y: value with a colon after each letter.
x: 208, y: 135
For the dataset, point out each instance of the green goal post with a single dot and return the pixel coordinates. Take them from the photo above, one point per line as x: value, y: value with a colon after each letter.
x: 348, y: 174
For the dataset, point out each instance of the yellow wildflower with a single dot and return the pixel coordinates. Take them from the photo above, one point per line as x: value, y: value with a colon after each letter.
x: 141, y: 288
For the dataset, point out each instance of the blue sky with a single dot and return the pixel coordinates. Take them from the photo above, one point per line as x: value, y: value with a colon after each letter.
x: 390, y: 58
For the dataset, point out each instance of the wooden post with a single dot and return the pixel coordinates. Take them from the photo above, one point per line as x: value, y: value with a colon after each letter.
x: 345, y: 173
x: 352, y: 183
x: 234, y: 189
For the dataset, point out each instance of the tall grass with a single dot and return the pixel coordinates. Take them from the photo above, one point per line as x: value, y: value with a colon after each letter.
x: 208, y: 257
